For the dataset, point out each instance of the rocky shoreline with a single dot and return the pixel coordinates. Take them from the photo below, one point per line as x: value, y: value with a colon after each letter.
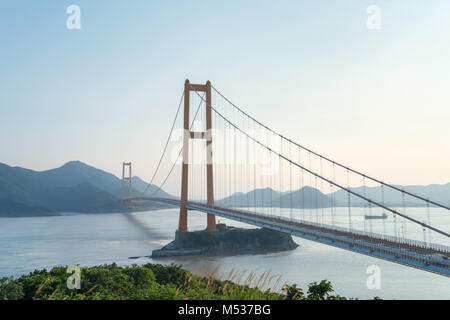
x: 226, y: 241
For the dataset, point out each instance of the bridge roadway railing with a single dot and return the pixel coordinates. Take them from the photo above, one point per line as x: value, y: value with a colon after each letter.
x: 410, y: 249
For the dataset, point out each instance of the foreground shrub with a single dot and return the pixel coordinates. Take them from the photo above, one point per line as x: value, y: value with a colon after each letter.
x: 150, y: 282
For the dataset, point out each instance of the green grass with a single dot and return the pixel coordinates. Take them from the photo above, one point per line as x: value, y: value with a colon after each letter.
x: 156, y: 282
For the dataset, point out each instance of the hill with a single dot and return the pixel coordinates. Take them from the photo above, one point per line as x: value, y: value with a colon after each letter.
x: 74, y: 173
x: 18, y: 184
x: 83, y: 197
x: 309, y: 197
x: 139, y: 186
x: 78, y: 187
x: 73, y: 187
x: 439, y: 193
x: 12, y: 209
x: 305, y: 197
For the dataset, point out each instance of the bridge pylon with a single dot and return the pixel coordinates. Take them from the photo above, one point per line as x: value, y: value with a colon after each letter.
x: 126, y: 178
x: 207, y: 136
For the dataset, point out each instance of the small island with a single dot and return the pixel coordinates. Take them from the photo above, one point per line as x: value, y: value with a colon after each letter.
x: 226, y: 241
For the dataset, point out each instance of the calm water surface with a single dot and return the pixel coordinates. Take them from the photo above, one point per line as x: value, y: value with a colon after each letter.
x: 85, y: 239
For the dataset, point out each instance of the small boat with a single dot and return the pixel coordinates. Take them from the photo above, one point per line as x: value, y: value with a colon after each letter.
x: 383, y: 216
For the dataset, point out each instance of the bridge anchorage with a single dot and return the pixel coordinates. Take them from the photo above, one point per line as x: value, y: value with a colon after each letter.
x: 257, y: 176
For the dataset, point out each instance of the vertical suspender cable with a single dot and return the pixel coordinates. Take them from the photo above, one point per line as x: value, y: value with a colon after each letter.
x: 349, y: 204
x: 383, y: 212
x: 321, y: 190
x: 290, y: 179
x: 404, y: 211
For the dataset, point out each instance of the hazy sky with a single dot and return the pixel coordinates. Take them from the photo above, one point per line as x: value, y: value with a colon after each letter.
x: 377, y: 100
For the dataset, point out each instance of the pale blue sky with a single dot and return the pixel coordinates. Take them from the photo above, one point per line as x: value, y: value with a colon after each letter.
x: 375, y: 100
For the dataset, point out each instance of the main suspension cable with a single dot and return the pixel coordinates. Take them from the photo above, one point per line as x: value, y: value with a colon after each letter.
x: 179, y: 154
x: 332, y: 161
x: 327, y: 180
x: 165, y: 147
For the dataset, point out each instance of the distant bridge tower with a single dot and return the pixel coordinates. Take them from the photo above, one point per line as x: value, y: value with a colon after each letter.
x: 211, y: 219
x: 126, y: 179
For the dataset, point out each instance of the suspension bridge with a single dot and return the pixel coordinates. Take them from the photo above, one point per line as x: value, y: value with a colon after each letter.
x: 235, y: 167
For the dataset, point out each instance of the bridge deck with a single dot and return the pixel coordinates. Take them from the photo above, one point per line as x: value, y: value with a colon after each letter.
x: 429, y: 257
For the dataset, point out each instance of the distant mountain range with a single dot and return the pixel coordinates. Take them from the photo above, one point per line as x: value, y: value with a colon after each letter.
x: 436, y: 192
x: 308, y: 197
x: 74, y: 187
x: 78, y: 187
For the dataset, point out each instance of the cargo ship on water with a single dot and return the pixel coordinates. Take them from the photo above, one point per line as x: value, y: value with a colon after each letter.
x: 383, y: 216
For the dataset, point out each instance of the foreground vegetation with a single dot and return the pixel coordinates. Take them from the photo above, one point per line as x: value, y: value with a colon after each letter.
x: 154, y: 281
